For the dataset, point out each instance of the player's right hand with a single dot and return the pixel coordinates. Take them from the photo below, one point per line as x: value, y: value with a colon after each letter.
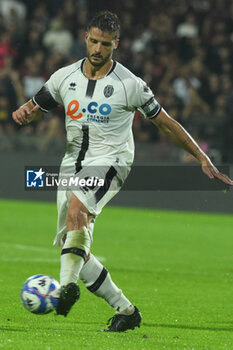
x: 25, y: 114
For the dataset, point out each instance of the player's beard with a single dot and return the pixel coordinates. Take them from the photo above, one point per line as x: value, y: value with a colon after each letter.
x: 101, y: 62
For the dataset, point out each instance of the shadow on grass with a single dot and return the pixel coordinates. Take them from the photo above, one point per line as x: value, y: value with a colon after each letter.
x: 63, y: 328
x: 198, y: 328
x: 14, y: 329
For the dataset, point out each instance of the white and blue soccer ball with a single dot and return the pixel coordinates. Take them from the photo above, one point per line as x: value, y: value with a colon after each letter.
x: 40, y: 294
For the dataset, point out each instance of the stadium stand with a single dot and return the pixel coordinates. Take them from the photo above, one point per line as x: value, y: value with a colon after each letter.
x: 182, y: 49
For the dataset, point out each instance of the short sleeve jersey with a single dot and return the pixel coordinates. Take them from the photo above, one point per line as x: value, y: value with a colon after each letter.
x: 99, y: 113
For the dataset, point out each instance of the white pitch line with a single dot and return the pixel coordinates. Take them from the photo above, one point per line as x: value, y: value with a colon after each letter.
x: 28, y: 247
x: 36, y: 249
x: 40, y: 260
x: 30, y: 260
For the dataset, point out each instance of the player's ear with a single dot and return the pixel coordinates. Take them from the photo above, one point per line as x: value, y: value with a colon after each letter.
x: 86, y: 36
x: 116, y: 44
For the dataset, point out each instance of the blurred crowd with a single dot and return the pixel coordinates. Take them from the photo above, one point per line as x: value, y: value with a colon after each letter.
x: 183, y: 49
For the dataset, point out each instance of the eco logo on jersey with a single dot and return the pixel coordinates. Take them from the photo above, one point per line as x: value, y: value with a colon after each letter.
x: 93, y: 108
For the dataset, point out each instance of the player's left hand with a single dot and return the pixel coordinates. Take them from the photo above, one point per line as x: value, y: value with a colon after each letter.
x: 212, y: 172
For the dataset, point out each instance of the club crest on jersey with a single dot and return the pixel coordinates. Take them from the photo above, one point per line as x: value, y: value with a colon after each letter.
x: 108, y: 90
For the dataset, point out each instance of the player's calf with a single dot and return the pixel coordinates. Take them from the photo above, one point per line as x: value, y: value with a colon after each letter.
x: 77, y: 244
x: 73, y: 255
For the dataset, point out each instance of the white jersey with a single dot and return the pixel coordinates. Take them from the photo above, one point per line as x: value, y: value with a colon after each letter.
x: 99, y: 113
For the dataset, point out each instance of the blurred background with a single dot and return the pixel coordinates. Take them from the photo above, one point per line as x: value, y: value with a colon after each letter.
x: 183, y: 49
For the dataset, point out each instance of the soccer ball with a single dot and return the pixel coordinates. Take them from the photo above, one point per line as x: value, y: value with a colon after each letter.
x: 40, y: 294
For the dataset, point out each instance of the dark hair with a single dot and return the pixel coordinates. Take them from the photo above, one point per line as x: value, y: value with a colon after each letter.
x: 107, y: 22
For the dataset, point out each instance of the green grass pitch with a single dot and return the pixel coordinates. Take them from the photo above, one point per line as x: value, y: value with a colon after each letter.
x: 176, y: 267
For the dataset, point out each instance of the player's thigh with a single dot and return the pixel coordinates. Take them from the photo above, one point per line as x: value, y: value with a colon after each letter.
x: 96, y: 195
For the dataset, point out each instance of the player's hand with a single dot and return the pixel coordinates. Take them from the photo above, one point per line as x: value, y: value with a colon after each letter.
x: 212, y: 172
x: 25, y: 114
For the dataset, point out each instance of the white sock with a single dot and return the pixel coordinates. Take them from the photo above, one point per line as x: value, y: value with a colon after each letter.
x: 98, y: 281
x: 73, y: 255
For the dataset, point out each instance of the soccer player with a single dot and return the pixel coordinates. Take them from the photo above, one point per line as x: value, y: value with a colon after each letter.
x: 100, y: 97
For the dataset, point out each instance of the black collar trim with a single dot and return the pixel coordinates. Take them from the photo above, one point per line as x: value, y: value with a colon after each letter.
x: 112, y: 69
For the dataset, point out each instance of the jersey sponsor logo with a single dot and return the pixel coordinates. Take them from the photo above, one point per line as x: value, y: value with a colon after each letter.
x: 97, y: 118
x: 93, y: 108
x: 72, y: 110
x: 108, y: 90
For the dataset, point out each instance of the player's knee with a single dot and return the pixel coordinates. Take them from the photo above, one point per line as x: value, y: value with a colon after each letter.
x: 78, y: 242
x: 72, y: 220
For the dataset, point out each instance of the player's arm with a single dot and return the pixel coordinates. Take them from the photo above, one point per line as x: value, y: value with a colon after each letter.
x: 26, y: 113
x: 43, y: 101
x: 181, y: 137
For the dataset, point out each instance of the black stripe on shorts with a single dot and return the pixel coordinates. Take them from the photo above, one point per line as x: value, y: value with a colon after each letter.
x: 95, y: 286
x: 107, y: 182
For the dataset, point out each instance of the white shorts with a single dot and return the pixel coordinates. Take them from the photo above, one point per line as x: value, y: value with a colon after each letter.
x: 94, y: 195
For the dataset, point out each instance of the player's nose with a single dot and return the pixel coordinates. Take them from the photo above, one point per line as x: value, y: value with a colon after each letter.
x: 98, y: 48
